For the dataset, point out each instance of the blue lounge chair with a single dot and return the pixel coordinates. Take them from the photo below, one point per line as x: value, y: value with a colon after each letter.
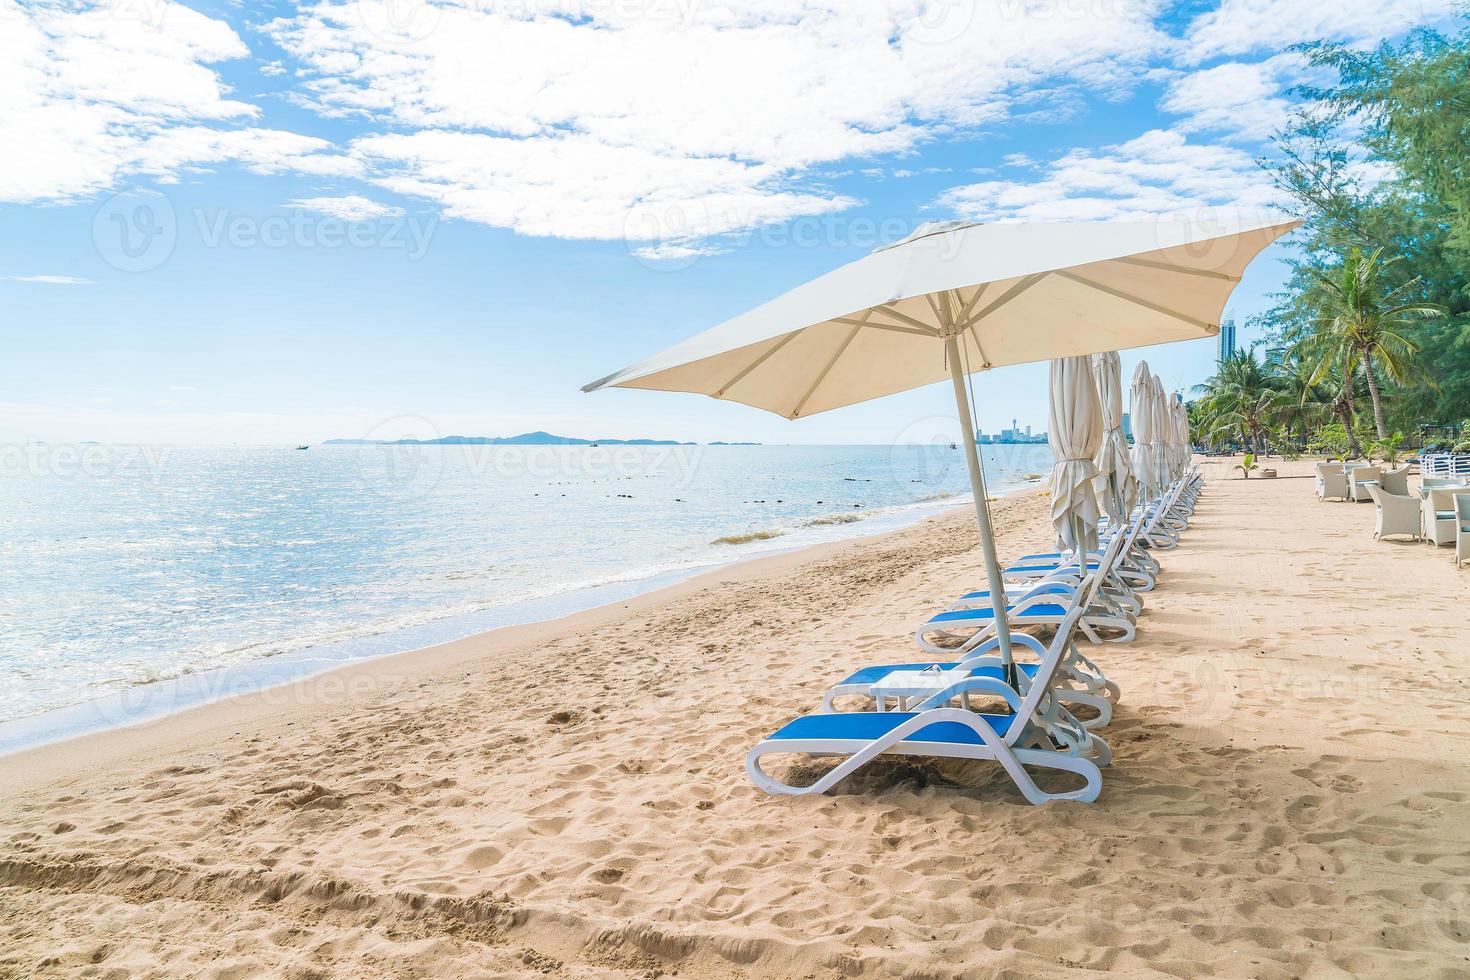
x: 1040, y: 733
x: 1078, y: 680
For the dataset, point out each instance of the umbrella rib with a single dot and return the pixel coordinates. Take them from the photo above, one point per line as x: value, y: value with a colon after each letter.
x: 896, y: 328
x: 1208, y: 328
x: 1025, y: 283
x: 739, y: 377
x: 825, y: 371
x: 904, y: 318
x: 939, y: 315
x: 964, y: 315
x: 1186, y: 270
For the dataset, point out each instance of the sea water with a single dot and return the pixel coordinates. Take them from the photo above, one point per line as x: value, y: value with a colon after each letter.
x: 136, y: 568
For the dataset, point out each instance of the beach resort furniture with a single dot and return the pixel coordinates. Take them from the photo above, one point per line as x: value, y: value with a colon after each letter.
x: 1396, y: 481
x: 1332, y: 481
x: 1445, y: 465
x: 1079, y: 681
x: 1123, y: 573
x: 1438, y: 508
x: 1397, y: 513
x: 1039, y: 732
x: 971, y: 620
x: 1462, y: 529
x: 957, y: 299
x: 1358, y: 478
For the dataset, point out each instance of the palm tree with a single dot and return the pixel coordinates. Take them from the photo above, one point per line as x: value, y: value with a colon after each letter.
x: 1304, y: 403
x: 1359, y: 327
x: 1242, y: 400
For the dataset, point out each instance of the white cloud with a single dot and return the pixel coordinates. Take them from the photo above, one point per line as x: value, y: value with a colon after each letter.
x: 579, y: 187
x: 669, y: 122
x: 351, y: 207
x: 1239, y: 100
x: 675, y: 253
x: 54, y: 280
x: 97, y: 93
x: 1239, y: 27
x: 1157, y: 173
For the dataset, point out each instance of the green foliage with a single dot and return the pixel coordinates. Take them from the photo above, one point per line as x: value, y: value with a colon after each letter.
x: 1241, y: 402
x: 1246, y: 465
x: 1329, y: 440
x: 1387, y: 449
x: 1361, y: 326
x: 1462, y: 447
x: 1400, y: 110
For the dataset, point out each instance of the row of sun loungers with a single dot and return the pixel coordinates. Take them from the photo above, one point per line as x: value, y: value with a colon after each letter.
x: 1096, y: 597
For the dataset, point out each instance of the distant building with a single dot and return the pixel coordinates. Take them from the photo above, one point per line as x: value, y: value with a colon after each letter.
x: 1127, y: 425
x: 1227, y: 341
x: 1012, y: 436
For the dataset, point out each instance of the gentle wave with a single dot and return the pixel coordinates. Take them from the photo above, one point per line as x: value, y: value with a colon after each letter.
x: 252, y: 555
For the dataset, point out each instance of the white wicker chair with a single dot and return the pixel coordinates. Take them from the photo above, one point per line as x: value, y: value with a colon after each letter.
x: 1439, y: 516
x: 1396, y: 481
x: 1360, y: 475
x: 1396, y: 514
x: 1331, y: 481
x: 1462, y: 529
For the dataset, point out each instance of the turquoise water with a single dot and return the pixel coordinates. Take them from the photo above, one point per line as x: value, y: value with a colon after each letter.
x: 122, y: 567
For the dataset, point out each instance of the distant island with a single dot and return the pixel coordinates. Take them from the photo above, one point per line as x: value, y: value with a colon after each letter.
x: 524, y: 439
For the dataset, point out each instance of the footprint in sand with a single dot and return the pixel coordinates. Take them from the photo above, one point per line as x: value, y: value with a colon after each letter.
x: 481, y: 858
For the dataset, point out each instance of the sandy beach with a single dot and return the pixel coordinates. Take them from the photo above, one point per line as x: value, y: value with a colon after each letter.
x: 1288, y: 798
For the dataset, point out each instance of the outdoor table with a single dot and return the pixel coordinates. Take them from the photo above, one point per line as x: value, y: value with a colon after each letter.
x: 910, y: 686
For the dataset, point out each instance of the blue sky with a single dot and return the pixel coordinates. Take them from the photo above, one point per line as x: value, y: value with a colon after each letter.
x: 280, y: 223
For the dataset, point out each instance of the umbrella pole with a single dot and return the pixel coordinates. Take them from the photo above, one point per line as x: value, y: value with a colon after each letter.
x: 982, y: 513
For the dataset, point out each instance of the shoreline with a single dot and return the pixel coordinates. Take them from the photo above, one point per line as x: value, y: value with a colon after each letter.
x: 258, y: 695
x: 146, y: 702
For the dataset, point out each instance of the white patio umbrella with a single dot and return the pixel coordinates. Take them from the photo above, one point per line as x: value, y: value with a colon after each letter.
x: 956, y: 298
x: 1115, y: 485
x: 1075, y: 432
x: 1186, y: 451
x: 1176, y: 435
x: 1159, y: 416
x: 1141, y: 413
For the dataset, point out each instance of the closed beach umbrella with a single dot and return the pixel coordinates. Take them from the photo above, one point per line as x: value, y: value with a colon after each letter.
x: 1114, y: 484
x: 1176, y: 439
x: 1186, y: 451
x: 1159, y: 414
x: 1075, y: 432
x: 955, y: 298
x: 1176, y: 435
x: 1141, y: 412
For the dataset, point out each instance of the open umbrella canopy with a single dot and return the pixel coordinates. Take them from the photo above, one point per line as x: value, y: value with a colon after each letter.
x: 1114, y: 485
x: 1011, y: 294
x: 956, y: 298
x: 1075, y: 432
